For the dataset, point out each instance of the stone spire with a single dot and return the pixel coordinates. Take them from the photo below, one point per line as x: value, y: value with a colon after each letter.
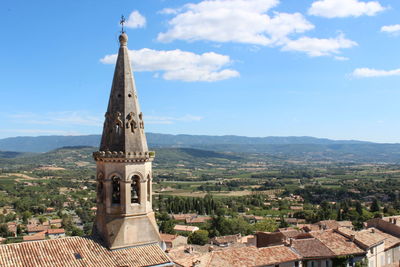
x: 124, y: 215
x: 123, y: 127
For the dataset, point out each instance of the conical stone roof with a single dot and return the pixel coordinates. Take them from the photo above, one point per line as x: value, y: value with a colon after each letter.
x: 123, y: 131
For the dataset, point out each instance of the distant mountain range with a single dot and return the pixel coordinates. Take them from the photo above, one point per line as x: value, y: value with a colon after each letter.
x: 293, y: 148
x: 47, y: 143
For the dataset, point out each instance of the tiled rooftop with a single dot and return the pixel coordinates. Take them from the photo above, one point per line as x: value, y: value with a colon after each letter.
x: 251, y: 256
x: 186, y: 228
x: 311, y: 248
x: 368, y: 237
x: 78, y: 252
x: 337, y: 243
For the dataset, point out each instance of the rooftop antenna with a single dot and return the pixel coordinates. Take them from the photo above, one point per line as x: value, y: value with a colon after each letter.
x: 122, y: 22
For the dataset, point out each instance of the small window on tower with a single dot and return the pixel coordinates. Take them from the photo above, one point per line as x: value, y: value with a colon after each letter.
x: 116, y: 193
x: 135, y: 189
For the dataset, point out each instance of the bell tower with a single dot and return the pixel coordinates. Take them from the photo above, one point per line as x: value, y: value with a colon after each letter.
x: 124, y: 194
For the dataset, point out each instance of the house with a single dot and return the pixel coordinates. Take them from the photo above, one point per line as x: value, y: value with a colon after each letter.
x: 35, y: 237
x: 197, y: 219
x: 332, y: 224
x: 55, y: 233
x: 248, y: 240
x: 267, y: 239
x: 313, y: 252
x: 289, y: 232
x: 49, y: 210
x: 56, y: 223
x: 388, y: 227
x: 80, y: 251
x: 12, y: 228
x: 34, y: 229
x: 277, y: 256
x: 295, y: 221
x: 183, y: 217
x: 371, y: 241
x: 186, y: 228
x: 309, y: 227
x: 173, y: 241
x: 225, y: 241
x: 340, y: 245
x: 296, y: 208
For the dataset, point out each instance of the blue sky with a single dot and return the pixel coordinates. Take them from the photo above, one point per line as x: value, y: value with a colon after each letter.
x: 323, y: 68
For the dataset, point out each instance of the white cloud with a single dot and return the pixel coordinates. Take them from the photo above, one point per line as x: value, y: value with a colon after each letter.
x: 170, y: 120
x: 339, y: 58
x: 344, y: 8
x: 316, y: 47
x: 169, y: 11
x: 393, y: 29
x: 242, y: 21
x: 368, y: 73
x: 135, y: 20
x: 249, y: 22
x: 180, y: 65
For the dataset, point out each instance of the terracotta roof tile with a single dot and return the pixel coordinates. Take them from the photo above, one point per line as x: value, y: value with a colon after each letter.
x: 251, y: 256
x: 368, y: 237
x: 167, y: 237
x: 311, y: 248
x: 337, y: 243
x: 78, y: 252
x: 36, y: 228
x: 186, y: 228
x: 55, y: 231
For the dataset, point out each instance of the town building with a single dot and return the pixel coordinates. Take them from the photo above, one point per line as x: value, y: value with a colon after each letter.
x: 173, y: 241
x: 185, y: 228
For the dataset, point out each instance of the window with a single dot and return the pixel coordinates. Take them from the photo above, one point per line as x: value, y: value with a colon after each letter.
x: 135, y: 189
x: 148, y: 188
x: 116, y: 193
x: 296, y: 264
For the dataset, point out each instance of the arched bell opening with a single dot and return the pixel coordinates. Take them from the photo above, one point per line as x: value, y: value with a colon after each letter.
x: 116, y: 190
x: 135, y: 190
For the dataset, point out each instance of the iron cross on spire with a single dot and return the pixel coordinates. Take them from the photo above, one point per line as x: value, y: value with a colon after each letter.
x: 122, y: 22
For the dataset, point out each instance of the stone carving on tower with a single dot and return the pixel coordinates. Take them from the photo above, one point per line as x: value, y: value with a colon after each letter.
x: 124, y: 173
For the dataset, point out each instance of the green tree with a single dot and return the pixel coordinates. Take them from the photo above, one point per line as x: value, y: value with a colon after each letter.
x: 359, y: 208
x: 200, y: 237
x: 375, y: 207
x: 267, y: 225
x: 167, y: 227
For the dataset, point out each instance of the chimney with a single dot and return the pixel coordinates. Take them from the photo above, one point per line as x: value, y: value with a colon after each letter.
x: 373, y: 230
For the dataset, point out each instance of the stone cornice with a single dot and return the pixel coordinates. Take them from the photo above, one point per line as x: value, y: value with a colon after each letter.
x: 119, y: 156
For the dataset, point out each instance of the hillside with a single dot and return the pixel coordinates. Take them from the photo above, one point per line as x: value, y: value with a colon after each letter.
x: 178, y: 147
x: 73, y: 157
x: 47, y: 143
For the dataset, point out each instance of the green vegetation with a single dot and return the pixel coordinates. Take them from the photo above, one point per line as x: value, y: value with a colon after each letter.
x: 230, y: 187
